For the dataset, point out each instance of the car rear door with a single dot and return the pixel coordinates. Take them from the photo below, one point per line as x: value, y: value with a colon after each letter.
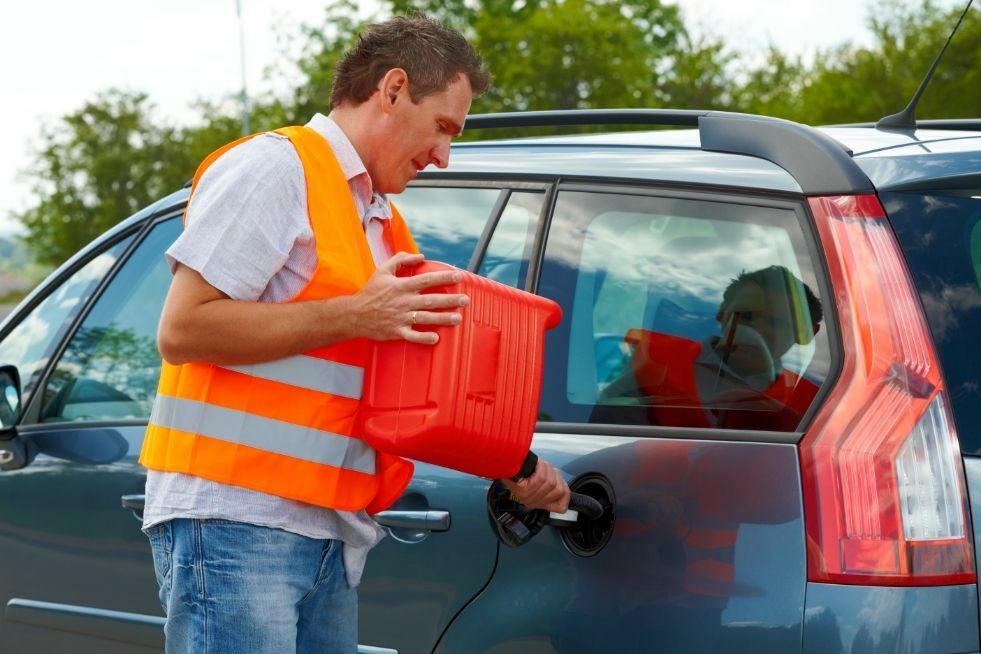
x: 703, y: 544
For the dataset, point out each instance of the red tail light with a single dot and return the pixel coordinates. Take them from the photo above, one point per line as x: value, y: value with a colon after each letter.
x: 884, y: 490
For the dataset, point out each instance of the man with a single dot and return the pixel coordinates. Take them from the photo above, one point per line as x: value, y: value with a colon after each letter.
x: 258, y: 489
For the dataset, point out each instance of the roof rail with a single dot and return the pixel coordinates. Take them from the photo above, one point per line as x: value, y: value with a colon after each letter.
x: 821, y: 165
x: 964, y: 124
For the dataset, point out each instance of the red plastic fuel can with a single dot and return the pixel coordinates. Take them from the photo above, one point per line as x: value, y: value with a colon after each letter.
x: 469, y: 402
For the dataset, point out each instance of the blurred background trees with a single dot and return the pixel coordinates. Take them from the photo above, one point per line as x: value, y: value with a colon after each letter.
x: 101, y: 163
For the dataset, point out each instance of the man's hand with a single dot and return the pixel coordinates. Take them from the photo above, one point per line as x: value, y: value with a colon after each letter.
x: 389, y: 306
x: 545, y: 489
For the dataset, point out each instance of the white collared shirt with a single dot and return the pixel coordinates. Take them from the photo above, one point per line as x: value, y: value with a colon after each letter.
x: 248, y: 234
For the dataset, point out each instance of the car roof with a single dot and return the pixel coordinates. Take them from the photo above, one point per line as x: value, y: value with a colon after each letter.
x: 889, y: 158
x: 930, y: 157
x: 589, y: 160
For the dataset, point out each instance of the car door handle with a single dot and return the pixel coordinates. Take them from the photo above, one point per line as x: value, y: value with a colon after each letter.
x: 423, y: 520
x: 133, y: 502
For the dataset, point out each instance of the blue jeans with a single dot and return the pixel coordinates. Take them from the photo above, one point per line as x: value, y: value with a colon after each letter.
x: 231, y: 587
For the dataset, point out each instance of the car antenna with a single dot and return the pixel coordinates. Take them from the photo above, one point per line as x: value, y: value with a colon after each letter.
x: 906, y: 119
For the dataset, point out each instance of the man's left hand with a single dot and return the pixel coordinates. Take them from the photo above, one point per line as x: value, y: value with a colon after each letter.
x: 545, y: 489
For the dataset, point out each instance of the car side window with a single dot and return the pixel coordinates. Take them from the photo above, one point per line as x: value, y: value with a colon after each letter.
x: 30, y: 344
x: 509, y: 249
x: 447, y: 221
x: 681, y: 313
x: 110, y: 368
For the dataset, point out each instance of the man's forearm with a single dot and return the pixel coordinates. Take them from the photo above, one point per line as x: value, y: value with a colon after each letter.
x: 229, y: 332
x: 200, y: 323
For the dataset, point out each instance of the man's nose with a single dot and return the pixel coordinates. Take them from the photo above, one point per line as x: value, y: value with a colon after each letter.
x: 440, y: 155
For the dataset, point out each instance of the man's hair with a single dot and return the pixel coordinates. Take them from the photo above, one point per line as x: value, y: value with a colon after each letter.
x: 431, y: 54
x: 777, y: 278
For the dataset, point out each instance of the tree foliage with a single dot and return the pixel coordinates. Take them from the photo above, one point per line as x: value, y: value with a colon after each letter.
x: 848, y: 83
x: 104, y: 161
x: 96, y: 166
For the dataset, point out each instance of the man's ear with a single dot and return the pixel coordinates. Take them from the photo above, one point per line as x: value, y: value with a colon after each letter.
x: 394, y: 88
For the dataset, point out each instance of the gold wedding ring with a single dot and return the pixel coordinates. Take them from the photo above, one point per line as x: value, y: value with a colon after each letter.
x: 413, y: 317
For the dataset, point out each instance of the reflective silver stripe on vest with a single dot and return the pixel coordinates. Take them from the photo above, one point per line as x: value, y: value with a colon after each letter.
x: 263, y: 433
x: 310, y: 372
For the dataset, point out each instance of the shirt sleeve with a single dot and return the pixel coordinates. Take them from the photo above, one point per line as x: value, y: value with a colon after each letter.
x: 245, y: 216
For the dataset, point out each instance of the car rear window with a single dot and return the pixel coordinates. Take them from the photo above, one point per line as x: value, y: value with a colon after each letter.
x: 681, y: 312
x: 940, y: 234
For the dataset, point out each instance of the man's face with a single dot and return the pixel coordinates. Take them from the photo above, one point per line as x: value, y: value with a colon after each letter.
x: 419, y: 134
x: 766, y: 312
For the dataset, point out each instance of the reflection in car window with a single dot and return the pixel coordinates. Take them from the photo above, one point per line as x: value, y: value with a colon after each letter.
x: 976, y: 252
x: 110, y: 368
x: 31, y: 343
x: 447, y: 221
x: 506, y: 260
x: 940, y: 233
x: 680, y: 313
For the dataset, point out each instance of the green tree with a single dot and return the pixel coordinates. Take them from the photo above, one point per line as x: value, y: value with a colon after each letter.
x: 849, y: 83
x: 94, y: 167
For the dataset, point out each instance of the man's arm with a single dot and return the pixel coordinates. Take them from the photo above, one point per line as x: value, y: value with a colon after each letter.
x: 200, y: 323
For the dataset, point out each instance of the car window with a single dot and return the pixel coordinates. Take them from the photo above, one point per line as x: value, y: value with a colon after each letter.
x: 940, y: 234
x: 680, y: 313
x: 110, y: 368
x: 34, y: 339
x: 447, y: 221
x: 976, y: 251
x: 508, y: 252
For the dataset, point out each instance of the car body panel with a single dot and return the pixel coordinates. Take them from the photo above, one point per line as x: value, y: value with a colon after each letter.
x: 67, y: 540
x: 972, y: 471
x: 643, y: 591
x: 415, y: 582
x: 918, y: 169
x: 862, y: 619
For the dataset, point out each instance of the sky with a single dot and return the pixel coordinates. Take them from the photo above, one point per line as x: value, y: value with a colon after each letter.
x: 57, y: 54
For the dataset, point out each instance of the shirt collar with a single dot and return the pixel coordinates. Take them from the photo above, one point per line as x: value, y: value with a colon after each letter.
x: 376, y: 204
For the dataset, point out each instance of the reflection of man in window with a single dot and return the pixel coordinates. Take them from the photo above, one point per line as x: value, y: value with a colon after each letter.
x: 734, y: 380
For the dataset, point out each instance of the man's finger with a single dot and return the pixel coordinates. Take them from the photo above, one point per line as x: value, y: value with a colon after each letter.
x: 436, y: 318
x: 400, y: 259
x: 430, y: 301
x: 422, y: 338
x: 439, y: 278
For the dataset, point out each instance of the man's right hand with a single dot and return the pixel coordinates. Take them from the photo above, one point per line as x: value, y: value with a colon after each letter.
x: 388, y: 306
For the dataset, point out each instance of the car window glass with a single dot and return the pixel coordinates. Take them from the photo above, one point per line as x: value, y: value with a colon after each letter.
x: 680, y: 313
x: 447, y: 222
x: 976, y: 252
x: 940, y: 234
x: 506, y: 259
x: 109, y: 369
x: 33, y: 340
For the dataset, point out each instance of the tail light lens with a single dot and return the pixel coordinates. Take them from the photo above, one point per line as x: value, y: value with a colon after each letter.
x: 884, y: 490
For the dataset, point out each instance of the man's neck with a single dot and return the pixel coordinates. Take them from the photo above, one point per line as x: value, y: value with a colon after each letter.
x: 350, y: 122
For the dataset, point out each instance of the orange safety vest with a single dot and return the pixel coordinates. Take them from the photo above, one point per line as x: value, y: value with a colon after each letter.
x: 664, y: 367
x: 287, y: 427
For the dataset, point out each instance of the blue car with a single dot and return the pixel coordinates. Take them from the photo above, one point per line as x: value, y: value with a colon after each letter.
x: 767, y: 374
